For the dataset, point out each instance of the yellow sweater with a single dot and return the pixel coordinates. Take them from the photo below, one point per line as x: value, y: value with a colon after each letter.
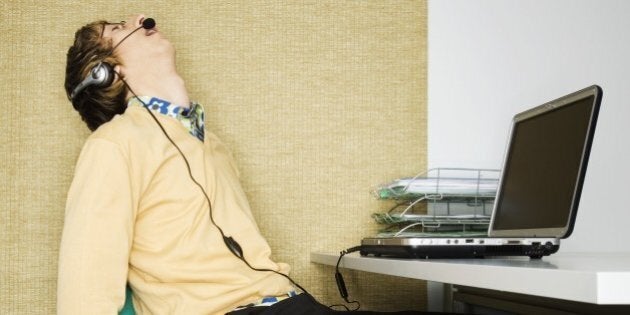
x: 134, y: 215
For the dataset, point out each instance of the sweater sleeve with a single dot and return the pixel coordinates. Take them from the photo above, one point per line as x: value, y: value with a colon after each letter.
x: 97, y: 234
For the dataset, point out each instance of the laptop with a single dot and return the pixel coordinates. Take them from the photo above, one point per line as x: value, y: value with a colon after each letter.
x: 539, y: 188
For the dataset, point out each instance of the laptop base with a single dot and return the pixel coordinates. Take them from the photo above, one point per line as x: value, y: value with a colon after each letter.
x: 534, y: 250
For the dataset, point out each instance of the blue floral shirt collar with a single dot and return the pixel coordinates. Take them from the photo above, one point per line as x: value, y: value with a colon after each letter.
x: 192, y: 118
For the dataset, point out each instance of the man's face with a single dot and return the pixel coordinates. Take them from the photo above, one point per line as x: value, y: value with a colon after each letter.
x: 141, y: 47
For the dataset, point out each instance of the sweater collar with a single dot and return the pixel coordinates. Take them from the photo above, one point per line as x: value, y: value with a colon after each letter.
x: 192, y: 118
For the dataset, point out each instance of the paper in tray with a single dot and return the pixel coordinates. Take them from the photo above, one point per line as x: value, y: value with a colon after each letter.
x: 481, y: 233
x: 387, y: 218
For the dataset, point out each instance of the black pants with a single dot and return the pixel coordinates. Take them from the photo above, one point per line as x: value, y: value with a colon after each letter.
x: 305, y: 304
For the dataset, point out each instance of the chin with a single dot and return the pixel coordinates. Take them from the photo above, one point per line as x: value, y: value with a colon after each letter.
x: 163, y: 48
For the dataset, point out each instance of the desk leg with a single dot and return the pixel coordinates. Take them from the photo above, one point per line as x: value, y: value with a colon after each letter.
x: 439, y: 297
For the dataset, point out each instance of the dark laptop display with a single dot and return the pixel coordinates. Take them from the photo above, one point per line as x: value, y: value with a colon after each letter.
x: 539, y: 190
x: 542, y: 174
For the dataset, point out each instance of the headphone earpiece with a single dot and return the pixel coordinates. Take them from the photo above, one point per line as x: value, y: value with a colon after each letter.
x: 102, y: 75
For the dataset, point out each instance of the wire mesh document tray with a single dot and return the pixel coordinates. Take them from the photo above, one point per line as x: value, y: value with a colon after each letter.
x: 438, y: 183
x: 441, y: 200
x: 447, y: 226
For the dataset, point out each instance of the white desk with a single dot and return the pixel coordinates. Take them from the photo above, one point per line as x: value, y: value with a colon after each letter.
x: 602, y: 278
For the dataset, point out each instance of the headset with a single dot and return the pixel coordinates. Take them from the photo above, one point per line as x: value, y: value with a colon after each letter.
x: 102, y: 75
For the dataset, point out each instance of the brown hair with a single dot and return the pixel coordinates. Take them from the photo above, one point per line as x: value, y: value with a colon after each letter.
x: 96, y: 105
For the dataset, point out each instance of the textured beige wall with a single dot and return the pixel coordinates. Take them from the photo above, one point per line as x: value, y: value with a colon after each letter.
x: 319, y: 100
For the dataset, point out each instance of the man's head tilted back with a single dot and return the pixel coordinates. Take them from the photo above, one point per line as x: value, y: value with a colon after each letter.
x: 96, y: 105
x: 97, y: 45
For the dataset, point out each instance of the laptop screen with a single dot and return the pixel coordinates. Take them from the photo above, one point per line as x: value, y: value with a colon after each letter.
x: 544, y: 168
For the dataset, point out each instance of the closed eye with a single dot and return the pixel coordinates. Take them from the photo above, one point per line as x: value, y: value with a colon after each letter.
x: 111, y: 27
x: 118, y: 26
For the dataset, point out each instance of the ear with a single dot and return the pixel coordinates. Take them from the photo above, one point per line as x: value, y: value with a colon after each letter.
x: 118, y: 73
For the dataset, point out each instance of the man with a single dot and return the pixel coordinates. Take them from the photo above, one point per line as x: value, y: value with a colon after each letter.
x: 156, y: 201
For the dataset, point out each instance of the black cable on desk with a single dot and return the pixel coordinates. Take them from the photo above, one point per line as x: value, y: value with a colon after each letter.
x: 341, y: 284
